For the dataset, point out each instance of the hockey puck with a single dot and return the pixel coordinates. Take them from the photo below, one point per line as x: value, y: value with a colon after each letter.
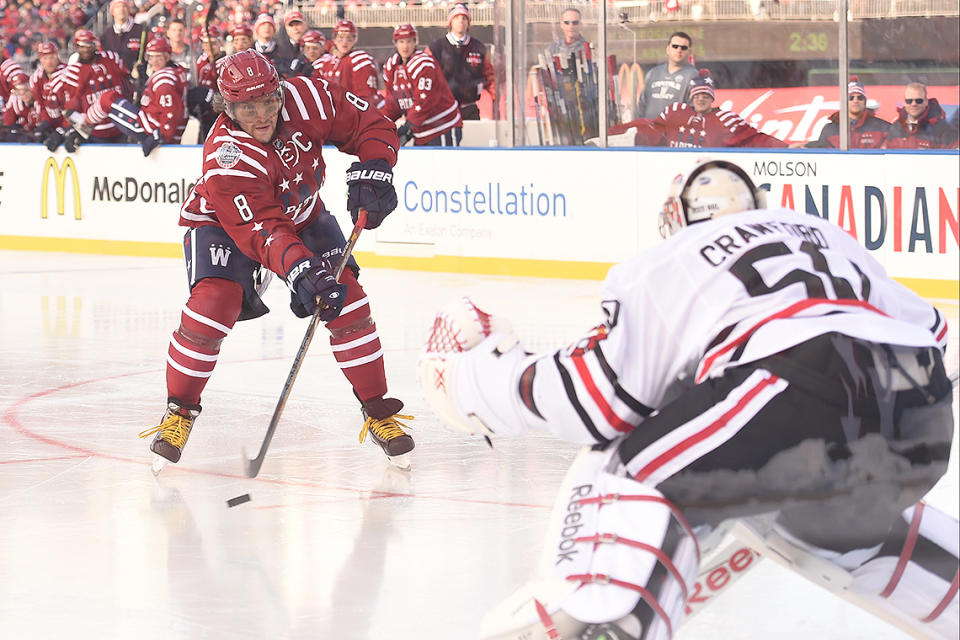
x: 232, y: 502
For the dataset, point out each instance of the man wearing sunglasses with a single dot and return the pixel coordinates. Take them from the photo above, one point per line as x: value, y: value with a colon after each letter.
x: 668, y: 82
x: 573, y: 41
x: 867, y: 131
x: 922, y: 123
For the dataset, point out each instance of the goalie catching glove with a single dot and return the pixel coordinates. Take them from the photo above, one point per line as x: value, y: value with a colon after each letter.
x: 465, y: 350
x: 370, y: 187
x: 313, y: 285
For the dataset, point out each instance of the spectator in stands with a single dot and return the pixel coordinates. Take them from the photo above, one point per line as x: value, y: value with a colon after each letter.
x: 921, y: 123
x: 288, y: 43
x: 464, y: 62
x: 415, y: 88
x: 669, y: 82
x: 124, y: 37
x: 181, y: 53
x: 573, y: 41
x: 264, y: 30
x: 241, y: 37
x: 697, y: 124
x: 867, y: 131
x: 355, y: 70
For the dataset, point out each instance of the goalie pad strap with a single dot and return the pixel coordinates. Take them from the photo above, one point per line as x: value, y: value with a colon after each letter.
x: 951, y: 592
x: 649, y: 598
x: 907, y: 551
x: 665, y: 560
x: 614, y: 497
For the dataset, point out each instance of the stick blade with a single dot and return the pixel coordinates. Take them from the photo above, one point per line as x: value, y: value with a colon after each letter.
x: 251, y: 467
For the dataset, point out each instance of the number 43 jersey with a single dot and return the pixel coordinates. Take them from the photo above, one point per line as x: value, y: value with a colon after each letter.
x: 742, y: 287
x: 263, y: 194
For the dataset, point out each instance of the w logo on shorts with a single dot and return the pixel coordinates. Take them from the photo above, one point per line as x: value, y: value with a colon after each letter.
x: 219, y: 255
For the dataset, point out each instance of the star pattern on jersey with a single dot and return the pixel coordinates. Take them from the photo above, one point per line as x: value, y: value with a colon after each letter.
x: 298, y: 178
x: 316, y: 163
x: 267, y: 242
x: 257, y: 226
x: 284, y: 185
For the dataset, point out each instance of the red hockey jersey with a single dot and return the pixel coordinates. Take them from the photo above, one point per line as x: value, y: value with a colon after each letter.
x: 679, y: 125
x: 11, y: 74
x: 356, y: 72
x: 48, y: 107
x: 417, y: 89
x: 163, y: 106
x: 79, y: 85
x: 206, y: 72
x: 263, y: 194
x: 18, y: 113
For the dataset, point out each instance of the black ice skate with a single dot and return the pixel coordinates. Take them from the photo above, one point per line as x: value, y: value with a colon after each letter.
x: 381, y: 422
x: 173, y: 430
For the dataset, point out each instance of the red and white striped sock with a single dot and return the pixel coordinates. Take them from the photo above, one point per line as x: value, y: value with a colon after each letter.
x: 356, y: 344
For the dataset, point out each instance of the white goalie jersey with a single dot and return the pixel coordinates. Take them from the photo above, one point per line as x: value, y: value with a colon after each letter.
x: 724, y: 292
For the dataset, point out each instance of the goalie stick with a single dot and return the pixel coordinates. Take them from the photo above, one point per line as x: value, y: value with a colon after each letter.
x: 251, y: 466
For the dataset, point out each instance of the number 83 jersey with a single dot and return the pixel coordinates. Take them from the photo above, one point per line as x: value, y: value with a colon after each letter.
x: 742, y: 287
x: 262, y: 195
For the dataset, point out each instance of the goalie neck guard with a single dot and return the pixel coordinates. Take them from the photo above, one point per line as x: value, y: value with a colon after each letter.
x: 711, y: 189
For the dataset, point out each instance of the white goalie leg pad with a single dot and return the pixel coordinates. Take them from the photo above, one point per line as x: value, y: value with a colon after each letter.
x: 469, y: 372
x: 618, y: 559
x: 904, y: 586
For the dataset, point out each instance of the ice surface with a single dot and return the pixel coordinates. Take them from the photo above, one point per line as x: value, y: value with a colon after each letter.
x: 335, y: 543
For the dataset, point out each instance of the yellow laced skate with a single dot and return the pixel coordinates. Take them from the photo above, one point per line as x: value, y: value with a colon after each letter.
x: 382, y: 423
x: 173, y: 430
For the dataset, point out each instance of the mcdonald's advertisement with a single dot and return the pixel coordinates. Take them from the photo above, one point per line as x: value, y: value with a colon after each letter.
x: 538, y: 212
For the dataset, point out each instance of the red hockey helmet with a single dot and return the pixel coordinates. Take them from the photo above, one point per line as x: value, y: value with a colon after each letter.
x: 404, y: 31
x: 43, y: 48
x: 244, y: 76
x: 313, y: 37
x: 159, y: 45
x: 84, y: 38
x: 344, y: 26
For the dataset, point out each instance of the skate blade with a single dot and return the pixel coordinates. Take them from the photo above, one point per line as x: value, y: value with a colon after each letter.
x: 401, y: 462
x: 159, y: 462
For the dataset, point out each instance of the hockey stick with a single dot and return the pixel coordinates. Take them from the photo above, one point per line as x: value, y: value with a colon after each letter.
x: 252, y: 466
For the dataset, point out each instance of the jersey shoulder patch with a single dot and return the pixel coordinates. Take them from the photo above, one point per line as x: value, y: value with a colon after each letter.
x: 228, y: 155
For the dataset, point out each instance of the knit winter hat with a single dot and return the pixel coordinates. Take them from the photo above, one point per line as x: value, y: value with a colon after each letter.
x: 703, y: 83
x: 855, y: 86
x: 458, y: 10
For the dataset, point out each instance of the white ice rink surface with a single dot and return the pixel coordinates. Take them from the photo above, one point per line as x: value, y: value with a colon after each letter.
x: 335, y: 543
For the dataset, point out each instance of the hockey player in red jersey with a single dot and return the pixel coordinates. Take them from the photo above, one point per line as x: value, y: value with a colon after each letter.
x: 759, y: 367
x: 211, y: 41
x: 698, y: 124
x: 80, y: 85
x: 415, y: 88
x: 11, y: 74
x: 257, y: 203
x: 353, y: 69
x: 314, y: 48
x: 20, y: 115
x: 162, y: 115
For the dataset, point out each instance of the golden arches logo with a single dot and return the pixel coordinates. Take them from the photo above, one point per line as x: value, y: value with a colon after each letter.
x: 60, y: 172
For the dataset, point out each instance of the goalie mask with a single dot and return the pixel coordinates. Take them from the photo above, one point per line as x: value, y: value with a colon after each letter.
x: 711, y: 189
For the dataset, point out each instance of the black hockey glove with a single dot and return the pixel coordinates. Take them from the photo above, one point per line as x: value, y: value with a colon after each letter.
x: 72, y: 140
x: 151, y: 142
x: 54, y: 139
x: 309, y: 280
x: 200, y: 101
x: 405, y: 133
x: 42, y: 131
x: 370, y: 187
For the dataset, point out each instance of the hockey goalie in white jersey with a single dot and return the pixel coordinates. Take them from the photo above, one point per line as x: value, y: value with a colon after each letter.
x: 758, y: 366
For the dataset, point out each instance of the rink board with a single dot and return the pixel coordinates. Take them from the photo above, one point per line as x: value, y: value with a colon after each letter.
x: 567, y: 213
